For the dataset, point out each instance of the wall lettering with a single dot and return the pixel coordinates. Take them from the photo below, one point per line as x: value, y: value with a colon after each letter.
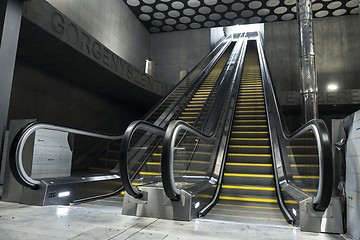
x: 78, y: 38
x: 351, y: 96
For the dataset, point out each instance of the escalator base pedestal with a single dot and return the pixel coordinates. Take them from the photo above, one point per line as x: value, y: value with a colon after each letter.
x: 329, y: 221
x: 156, y: 204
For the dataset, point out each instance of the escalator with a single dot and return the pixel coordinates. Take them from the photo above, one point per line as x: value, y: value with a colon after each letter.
x: 190, y: 115
x: 248, y: 187
x: 150, y: 171
x: 260, y: 173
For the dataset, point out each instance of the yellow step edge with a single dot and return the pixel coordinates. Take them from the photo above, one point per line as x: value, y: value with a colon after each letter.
x: 250, y: 120
x: 291, y: 202
x: 251, y: 115
x: 309, y: 190
x: 249, y: 146
x: 250, y: 126
x: 250, y: 139
x: 304, y: 165
x: 250, y: 175
x: 247, y: 187
x: 254, y: 107
x: 305, y: 177
x: 249, y: 164
x: 250, y: 111
x: 249, y: 154
x: 246, y: 132
x: 303, y: 155
x: 150, y: 173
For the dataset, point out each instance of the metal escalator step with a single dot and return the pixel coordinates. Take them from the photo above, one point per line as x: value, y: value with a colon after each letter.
x: 254, y: 168
x: 246, y: 190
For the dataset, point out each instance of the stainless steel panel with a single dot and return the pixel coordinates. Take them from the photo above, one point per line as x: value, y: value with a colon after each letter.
x: 329, y: 221
x: 156, y: 204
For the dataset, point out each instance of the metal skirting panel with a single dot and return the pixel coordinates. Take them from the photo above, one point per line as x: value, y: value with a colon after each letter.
x: 156, y: 204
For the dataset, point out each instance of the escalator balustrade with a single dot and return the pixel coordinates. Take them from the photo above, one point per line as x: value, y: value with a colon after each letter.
x: 189, y: 115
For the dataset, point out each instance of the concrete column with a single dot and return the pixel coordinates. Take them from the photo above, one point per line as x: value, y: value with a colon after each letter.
x: 10, y: 19
x: 307, y: 59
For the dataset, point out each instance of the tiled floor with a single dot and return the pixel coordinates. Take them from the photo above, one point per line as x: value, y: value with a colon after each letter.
x: 89, y: 221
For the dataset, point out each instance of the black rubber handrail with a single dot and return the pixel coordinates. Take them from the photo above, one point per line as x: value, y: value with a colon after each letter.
x: 167, y: 155
x: 124, y: 172
x: 208, y: 134
x: 323, y: 196
x: 17, y: 145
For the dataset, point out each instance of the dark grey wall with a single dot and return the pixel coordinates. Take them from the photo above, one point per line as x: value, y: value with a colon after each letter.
x: 113, y: 24
x: 177, y: 51
x: 36, y: 95
x: 337, y: 49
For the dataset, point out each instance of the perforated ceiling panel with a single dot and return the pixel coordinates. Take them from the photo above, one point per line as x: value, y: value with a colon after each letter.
x: 166, y: 15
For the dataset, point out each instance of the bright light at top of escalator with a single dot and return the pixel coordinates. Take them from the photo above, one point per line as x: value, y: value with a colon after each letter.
x: 332, y: 87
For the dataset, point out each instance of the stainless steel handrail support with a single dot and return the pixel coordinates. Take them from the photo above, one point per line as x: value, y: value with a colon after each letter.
x: 17, y: 150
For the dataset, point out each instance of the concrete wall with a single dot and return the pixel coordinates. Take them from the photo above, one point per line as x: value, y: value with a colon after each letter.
x: 352, y: 185
x: 177, y: 51
x: 337, y: 52
x: 113, y: 24
x: 36, y: 95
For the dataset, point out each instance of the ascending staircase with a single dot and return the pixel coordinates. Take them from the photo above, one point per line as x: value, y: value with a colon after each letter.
x: 248, y: 190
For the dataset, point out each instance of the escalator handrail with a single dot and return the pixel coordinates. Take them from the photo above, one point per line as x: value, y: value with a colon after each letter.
x: 125, y: 143
x: 124, y: 171
x: 17, y: 145
x: 222, y: 45
x: 323, y: 196
x: 167, y: 170
x: 167, y: 156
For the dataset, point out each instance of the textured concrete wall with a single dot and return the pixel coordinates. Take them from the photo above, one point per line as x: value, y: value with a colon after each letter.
x: 113, y: 24
x: 337, y: 52
x: 177, y: 51
x: 36, y: 95
x: 353, y: 178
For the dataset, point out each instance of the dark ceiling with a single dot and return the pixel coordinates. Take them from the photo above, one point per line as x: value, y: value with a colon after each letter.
x: 166, y: 15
